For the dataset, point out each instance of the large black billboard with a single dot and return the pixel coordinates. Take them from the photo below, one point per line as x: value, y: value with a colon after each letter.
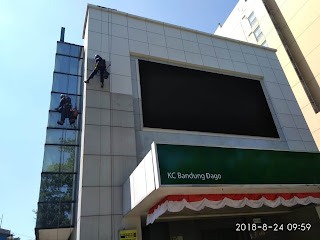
x: 186, y: 99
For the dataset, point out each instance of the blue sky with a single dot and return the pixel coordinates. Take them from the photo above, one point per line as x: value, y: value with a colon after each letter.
x: 29, y: 31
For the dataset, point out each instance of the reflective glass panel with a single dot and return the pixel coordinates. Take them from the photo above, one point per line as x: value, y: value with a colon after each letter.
x: 55, y: 100
x: 59, y: 159
x: 64, y: 137
x: 73, y: 85
x: 75, y: 51
x: 55, y: 215
x: 74, y: 66
x: 53, y: 118
x: 252, y: 19
x: 70, y: 137
x: 56, y: 116
x: 69, y: 154
x: 56, y: 187
x: 63, y: 48
x: 47, y: 216
x: 52, y: 159
x: 54, y: 136
x: 258, y: 33
x: 60, y: 82
x: 75, y: 101
x: 62, y: 64
x: 67, y: 186
x: 65, y: 214
x: 265, y: 44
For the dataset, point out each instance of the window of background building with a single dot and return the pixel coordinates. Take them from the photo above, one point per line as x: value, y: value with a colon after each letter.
x: 265, y: 44
x: 252, y: 19
x: 258, y: 33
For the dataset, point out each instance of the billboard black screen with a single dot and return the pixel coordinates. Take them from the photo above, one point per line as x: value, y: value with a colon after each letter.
x: 192, y: 100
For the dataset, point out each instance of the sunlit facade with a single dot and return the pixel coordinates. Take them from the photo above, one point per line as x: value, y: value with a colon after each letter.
x: 290, y: 27
x: 185, y: 140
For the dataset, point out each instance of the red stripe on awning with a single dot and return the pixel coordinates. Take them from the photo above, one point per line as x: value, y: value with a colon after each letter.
x: 219, y: 197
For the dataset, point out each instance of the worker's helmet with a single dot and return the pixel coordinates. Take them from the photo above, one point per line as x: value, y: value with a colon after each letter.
x: 62, y: 95
x: 96, y: 56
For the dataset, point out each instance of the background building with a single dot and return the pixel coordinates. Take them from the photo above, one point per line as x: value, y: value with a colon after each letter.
x: 291, y: 27
x: 6, y: 235
x: 185, y: 117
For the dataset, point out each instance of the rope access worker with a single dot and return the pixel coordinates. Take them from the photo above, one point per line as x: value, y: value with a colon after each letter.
x: 64, y: 108
x: 99, y: 66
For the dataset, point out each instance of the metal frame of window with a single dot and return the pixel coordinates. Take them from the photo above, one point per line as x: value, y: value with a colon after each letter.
x: 78, y: 95
x: 65, y: 55
x: 68, y: 74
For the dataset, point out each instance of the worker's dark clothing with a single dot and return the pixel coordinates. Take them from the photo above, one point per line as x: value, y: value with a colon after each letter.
x: 65, y: 107
x: 99, y: 66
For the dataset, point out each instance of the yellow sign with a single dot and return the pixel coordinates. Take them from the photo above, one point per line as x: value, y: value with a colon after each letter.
x: 128, y: 235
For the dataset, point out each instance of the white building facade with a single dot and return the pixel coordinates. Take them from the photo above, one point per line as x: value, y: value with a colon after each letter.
x: 290, y: 27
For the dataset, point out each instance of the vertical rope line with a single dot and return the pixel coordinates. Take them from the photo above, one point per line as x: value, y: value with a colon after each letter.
x: 110, y: 101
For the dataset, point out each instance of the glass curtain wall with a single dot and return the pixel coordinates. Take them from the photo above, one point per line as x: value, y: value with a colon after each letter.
x: 56, y: 206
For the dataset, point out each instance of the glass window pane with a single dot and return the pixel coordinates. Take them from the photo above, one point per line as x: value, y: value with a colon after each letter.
x: 52, y: 159
x: 59, y: 159
x: 67, y: 187
x: 56, y: 187
x: 75, y: 101
x: 66, y: 215
x: 265, y: 44
x: 56, y: 116
x: 55, y: 100
x: 68, y: 158
x: 259, y: 36
x: 54, y: 136
x: 65, y: 137
x: 59, y: 82
x: 258, y: 33
x: 70, y: 137
x: 75, y: 51
x: 47, y: 216
x: 63, y: 48
x: 252, y: 19
x: 50, y: 188
x: 55, y: 215
x: 62, y: 64
x: 52, y: 120
x: 73, y: 85
x: 74, y: 66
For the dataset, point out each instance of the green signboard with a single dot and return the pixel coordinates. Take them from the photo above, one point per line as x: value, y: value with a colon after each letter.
x: 180, y: 164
